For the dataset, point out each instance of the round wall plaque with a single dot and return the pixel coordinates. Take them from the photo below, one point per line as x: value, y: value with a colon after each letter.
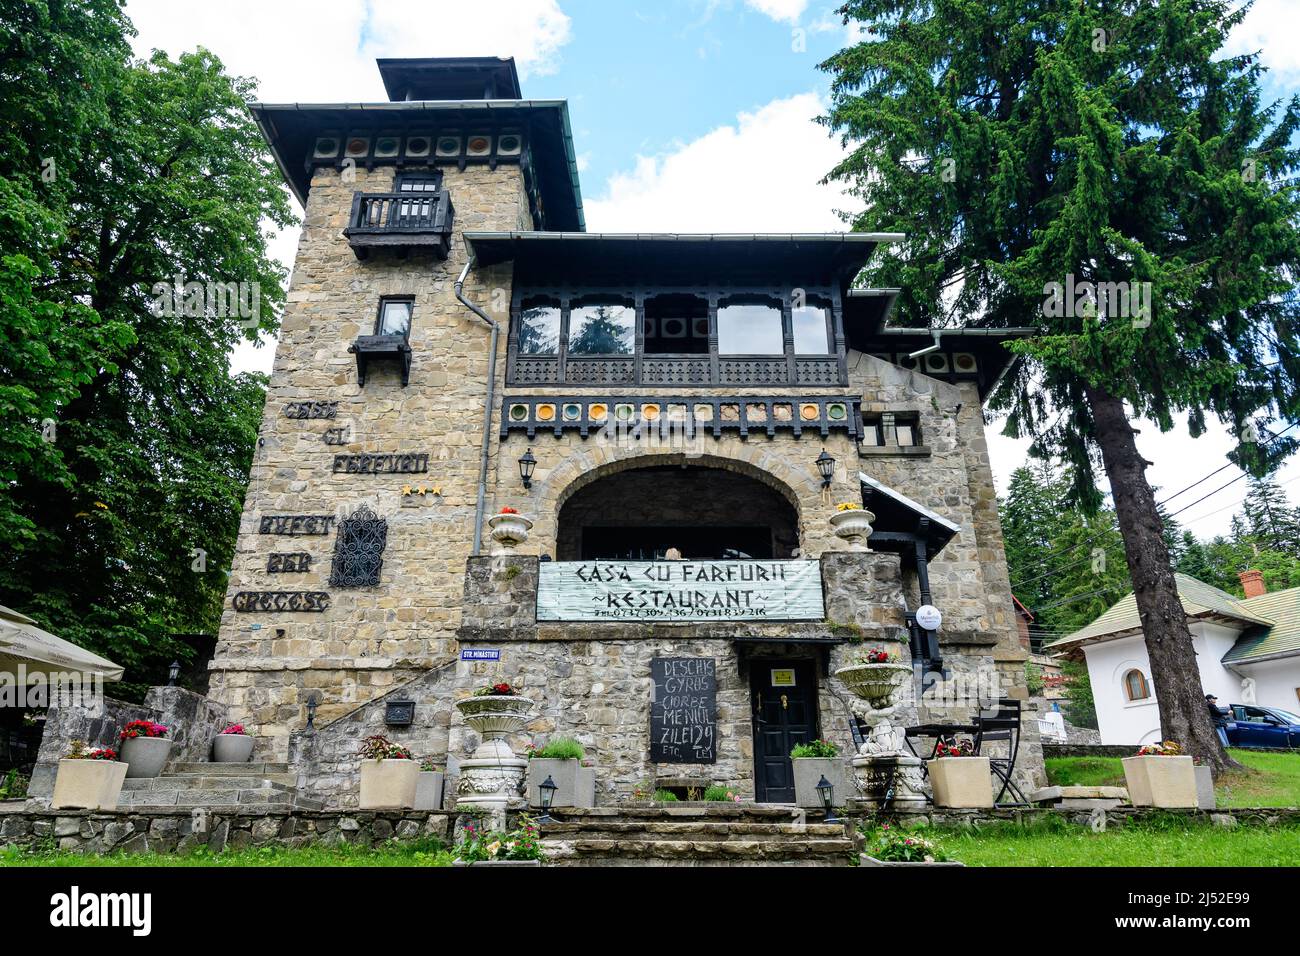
x: 928, y: 616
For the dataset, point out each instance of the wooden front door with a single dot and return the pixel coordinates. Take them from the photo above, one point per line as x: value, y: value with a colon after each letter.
x: 784, y: 702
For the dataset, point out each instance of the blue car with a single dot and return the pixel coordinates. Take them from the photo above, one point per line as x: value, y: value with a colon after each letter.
x: 1255, y: 726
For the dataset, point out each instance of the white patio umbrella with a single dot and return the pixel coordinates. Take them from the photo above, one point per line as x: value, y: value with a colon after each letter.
x: 40, y: 652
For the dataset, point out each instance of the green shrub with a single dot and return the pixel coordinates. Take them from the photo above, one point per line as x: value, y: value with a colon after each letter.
x: 13, y: 786
x: 888, y: 842
x: 815, y: 748
x: 720, y: 793
x: 665, y: 796
x: 561, y: 748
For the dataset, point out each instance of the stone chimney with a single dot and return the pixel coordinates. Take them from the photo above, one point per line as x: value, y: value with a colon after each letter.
x: 1253, y: 582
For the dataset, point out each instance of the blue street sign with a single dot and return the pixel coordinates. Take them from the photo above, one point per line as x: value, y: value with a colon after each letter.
x: 479, y: 654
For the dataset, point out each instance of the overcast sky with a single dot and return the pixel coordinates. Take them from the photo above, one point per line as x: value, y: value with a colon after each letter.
x: 688, y: 116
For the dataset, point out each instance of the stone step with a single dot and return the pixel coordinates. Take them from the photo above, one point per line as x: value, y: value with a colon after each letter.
x: 816, y: 852
x: 229, y: 769
x: 197, y: 782
x: 252, y: 799
x: 710, y: 831
x: 758, y: 812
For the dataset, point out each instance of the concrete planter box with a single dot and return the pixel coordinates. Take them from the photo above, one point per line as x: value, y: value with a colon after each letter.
x: 428, y: 790
x: 961, y: 782
x: 809, y: 770
x: 498, y: 863
x: 576, y: 783
x: 145, y: 756
x: 1155, y: 781
x: 388, y: 784
x: 232, y: 748
x: 864, y: 860
x: 1205, y: 798
x: 88, y: 784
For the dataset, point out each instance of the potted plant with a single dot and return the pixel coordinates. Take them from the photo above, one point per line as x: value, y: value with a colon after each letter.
x: 852, y: 524
x: 960, y: 779
x: 428, y: 786
x: 518, y: 847
x: 145, y: 748
x: 388, y: 775
x: 811, y: 762
x: 561, y: 762
x: 88, y: 779
x: 509, y: 529
x: 233, y: 745
x: 1161, y: 775
x: 887, y: 845
x: 877, y: 677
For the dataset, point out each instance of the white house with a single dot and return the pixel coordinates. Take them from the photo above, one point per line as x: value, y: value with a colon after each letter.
x: 1248, y: 650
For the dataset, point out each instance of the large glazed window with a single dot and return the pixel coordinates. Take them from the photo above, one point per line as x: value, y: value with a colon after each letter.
x: 539, y: 328
x: 676, y: 324
x: 749, y: 329
x: 811, y: 330
x: 602, y: 329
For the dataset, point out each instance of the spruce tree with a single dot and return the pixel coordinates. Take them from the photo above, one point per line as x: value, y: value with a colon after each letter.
x: 1273, y: 522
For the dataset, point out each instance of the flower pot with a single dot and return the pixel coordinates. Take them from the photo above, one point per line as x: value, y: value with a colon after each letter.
x: 881, y: 685
x: 145, y: 756
x: 576, y: 784
x: 88, y: 784
x: 853, y: 527
x: 961, y: 782
x: 1156, y: 781
x: 508, y: 531
x: 388, y: 784
x: 808, y: 772
x: 232, y: 748
x: 428, y: 790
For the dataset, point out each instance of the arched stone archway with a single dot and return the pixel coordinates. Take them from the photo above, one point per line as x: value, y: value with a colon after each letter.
x: 704, y: 507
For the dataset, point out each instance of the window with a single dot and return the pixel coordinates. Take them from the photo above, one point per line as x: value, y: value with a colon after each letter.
x: 359, y: 550
x: 395, y: 316
x: 1135, y: 685
x: 750, y: 329
x: 811, y: 330
x: 539, y: 328
x: 897, y: 429
x: 418, y: 182
x: 676, y: 325
x: 602, y: 329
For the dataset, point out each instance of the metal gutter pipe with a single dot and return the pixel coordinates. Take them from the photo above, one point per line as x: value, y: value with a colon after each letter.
x: 491, y: 397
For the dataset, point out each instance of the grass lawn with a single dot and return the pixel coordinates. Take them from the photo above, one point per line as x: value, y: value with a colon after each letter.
x: 416, y: 853
x: 1057, y: 843
x: 1269, y: 780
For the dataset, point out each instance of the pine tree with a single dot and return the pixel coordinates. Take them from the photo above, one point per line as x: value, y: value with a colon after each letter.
x: 1037, y: 150
x: 1273, y: 522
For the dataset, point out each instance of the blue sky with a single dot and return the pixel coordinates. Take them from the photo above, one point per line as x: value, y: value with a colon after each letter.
x: 688, y: 115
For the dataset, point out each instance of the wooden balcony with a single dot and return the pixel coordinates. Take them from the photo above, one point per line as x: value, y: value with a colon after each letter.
x: 404, y: 222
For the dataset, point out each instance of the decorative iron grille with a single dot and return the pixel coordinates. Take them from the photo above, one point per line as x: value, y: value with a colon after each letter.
x: 359, y: 549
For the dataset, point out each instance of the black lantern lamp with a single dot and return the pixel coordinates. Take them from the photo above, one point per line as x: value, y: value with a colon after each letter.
x: 312, y: 701
x: 547, y: 790
x: 826, y: 465
x: 526, y: 466
x: 826, y: 790
x: 173, y: 672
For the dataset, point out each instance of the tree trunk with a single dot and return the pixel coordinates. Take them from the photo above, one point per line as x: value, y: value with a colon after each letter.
x: 1184, y: 716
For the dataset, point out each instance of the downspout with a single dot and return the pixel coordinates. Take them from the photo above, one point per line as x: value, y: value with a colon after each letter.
x: 929, y: 348
x: 491, y: 397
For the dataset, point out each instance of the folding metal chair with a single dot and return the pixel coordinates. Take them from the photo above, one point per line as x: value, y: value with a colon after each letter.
x: 1000, y: 723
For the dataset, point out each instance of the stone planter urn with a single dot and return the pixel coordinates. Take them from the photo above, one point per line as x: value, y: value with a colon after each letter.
x: 508, y: 531
x: 961, y: 782
x: 232, y: 748
x: 1161, y: 781
x: 428, y: 790
x: 853, y: 527
x: 878, y: 684
x: 808, y: 772
x: 492, y: 776
x: 576, y: 784
x: 88, y: 784
x: 388, y: 784
x: 145, y: 756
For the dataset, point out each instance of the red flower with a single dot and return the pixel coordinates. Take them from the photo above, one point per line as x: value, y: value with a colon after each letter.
x: 508, y: 511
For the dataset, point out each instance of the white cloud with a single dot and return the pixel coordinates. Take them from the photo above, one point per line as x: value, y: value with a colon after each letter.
x: 782, y: 11
x: 760, y: 175
x: 1266, y: 28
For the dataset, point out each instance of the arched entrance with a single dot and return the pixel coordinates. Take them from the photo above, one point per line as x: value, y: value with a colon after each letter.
x: 705, y: 513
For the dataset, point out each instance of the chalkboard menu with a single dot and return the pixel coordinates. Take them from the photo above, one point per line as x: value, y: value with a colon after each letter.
x: 684, y: 710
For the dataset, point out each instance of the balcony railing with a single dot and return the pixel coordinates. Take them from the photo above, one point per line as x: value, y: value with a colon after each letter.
x: 403, y: 221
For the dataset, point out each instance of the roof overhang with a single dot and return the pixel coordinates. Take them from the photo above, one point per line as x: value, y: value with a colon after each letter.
x: 450, y: 78
x: 898, y: 514
x: 291, y: 130
x: 673, y: 258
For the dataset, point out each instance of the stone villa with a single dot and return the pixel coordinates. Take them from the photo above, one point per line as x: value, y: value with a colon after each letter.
x: 456, y: 343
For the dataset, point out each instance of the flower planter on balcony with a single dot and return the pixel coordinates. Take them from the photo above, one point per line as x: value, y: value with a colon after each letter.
x: 576, y: 784
x: 508, y: 531
x: 388, y: 784
x: 853, y: 527
x: 961, y: 782
x: 88, y: 784
x: 1160, y: 781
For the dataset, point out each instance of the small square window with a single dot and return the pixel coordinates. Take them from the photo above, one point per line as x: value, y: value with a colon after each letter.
x: 395, y: 317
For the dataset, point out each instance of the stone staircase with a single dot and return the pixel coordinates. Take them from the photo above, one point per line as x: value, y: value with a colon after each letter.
x: 697, y: 835
x: 261, y: 786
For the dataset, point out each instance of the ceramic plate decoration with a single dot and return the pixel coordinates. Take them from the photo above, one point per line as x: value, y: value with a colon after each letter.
x: 756, y: 412
x: 809, y: 412
x: 623, y: 412
x: 650, y: 412
x: 387, y: 147
x: 964, y: 361
x: 545, y: 413
x: 704, y: 413
x: 358, y: 146
x: 836, y: 411
x: 519, y: 413
x: 418, y: 146
x: 326, y: 147
x: 448, y: 146
x: 782, y: 413
x: 597, y: 412
x: 572, y: 412
x: 510, y: 144
x: 479, y: 145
